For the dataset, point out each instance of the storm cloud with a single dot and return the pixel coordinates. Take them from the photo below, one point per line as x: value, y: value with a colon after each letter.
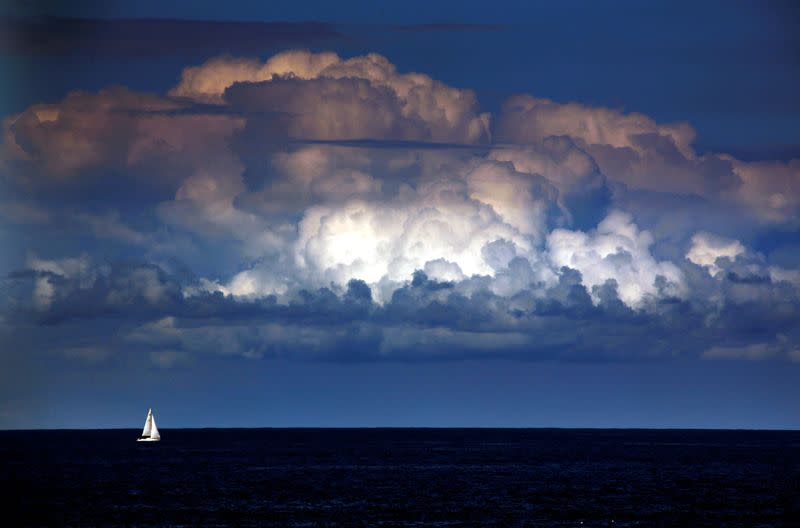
x: 251, y: 211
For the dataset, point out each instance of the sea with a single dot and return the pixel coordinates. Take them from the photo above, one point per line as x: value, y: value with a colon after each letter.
x: 402, y: 477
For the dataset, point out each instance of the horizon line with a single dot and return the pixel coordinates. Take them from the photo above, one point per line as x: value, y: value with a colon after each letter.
x: 307, y: 427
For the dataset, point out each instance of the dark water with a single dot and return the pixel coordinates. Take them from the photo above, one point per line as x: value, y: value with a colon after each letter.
x: 403, y: 477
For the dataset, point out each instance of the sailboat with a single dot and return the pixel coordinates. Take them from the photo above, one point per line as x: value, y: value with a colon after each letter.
x: 150, y: 432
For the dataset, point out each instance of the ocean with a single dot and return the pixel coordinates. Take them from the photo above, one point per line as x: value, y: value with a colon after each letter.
x: 402, y: 477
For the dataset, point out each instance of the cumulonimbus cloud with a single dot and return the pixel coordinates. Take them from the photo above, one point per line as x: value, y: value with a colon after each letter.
x: 269, y: 177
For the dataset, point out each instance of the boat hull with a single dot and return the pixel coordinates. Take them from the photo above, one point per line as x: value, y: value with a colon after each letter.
x: 147, y: 439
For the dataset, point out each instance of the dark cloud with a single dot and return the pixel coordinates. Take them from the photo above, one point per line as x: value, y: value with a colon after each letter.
x: 48, y: 35
x: 424, y: 319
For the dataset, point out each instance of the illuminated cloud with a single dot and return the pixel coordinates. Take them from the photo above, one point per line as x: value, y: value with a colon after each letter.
x: 341, y: 207
x: 617, y: 251
x: 630, y: 148
x: 390, y: 240
x: 707, y: 248
x: 325, y: 97
x: 207, y: 83
x: 530, y: 119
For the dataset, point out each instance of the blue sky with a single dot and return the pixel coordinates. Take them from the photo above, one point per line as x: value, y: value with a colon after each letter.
x: 433, y: 214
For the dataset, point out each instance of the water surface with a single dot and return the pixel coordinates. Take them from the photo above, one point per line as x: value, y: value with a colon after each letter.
x: 404, y: 477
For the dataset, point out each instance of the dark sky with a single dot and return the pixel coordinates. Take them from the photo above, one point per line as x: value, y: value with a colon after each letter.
x: 434, y: 213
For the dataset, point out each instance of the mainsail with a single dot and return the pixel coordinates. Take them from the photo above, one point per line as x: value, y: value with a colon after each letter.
x: 148, y: 424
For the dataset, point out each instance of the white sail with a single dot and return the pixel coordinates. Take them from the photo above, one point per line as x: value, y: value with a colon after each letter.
x: 150, y: 432
x: 154, y: 434
x: 148, y: 424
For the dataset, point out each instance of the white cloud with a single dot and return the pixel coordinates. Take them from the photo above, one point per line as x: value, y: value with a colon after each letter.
x: 390, y: 240
x: 443, y: 270
x: 616, y: 250
x: 707, y: 248
x: 521, y: 200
